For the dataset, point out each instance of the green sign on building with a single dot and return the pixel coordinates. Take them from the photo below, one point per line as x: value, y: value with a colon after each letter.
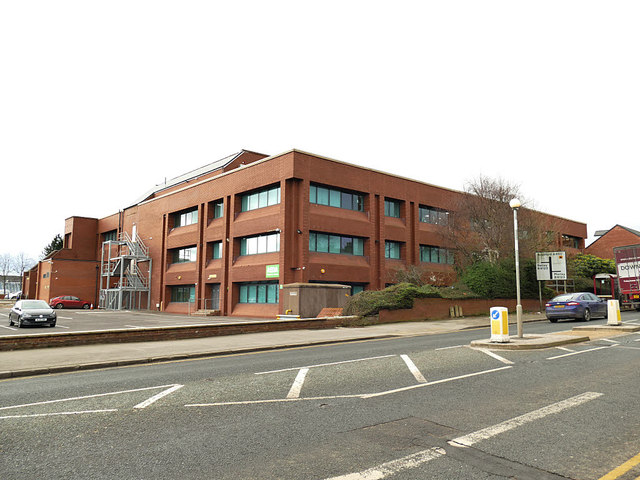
x: 273, y: 271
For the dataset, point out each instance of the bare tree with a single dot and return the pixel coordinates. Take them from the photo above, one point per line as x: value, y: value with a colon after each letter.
x: 482, y: 226
x: 6, y: 266
x: 22, y: 262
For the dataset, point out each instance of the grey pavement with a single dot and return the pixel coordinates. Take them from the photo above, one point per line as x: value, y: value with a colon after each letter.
x: 41, y: 361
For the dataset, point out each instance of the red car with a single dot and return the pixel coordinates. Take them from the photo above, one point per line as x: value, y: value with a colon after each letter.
x: 68, y: 301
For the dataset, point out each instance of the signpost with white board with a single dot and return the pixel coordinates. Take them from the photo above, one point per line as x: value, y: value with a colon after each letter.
x: 550, y: 266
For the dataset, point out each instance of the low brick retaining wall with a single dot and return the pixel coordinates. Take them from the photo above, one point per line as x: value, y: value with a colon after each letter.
x: 23, y: 342
x: 438, y: 308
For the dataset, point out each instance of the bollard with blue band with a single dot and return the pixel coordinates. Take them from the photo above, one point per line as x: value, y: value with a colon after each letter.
x: 499, y: 325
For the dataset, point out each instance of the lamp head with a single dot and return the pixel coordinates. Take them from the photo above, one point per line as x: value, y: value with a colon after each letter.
x: 515, y: 203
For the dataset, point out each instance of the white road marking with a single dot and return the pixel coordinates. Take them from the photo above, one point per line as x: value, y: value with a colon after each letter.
x: 415, y: 460
x: 61, y: 326
x: 158, y: 396
x: 452, y: 346
x: 637, y: 340
x: 294, y: 392
x: 361, y: 396
x: 274, y: 400
x: 413, y: 369
x: 579, y: 352
x: 4, y: 314
x: 58, y: 413
x: 65, y: 318
x: 494, y: 355
x: 607, y: 340
x: 8, y: 328
x: 565, y: 349
x: 324, y: 364
x: 86, y: 396
x: 394, y: 466
x: 435, y: 382
x: 485, y: 433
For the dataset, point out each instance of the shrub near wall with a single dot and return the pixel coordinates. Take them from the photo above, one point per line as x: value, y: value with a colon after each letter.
x: 400, y: 296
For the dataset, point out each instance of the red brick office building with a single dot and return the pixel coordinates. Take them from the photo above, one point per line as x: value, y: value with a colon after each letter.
x: 617, y: 236
x: 226, y: 236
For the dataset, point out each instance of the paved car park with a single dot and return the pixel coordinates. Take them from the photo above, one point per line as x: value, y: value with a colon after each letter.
x: 100, y: 320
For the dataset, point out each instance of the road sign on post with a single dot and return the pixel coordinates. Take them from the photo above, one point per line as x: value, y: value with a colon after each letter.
x: 551, y: 266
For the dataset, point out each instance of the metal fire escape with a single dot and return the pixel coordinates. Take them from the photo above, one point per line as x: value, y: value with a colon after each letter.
x: 125, y: 274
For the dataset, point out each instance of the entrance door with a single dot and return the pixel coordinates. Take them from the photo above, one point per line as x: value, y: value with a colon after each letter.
x: 215, y: 296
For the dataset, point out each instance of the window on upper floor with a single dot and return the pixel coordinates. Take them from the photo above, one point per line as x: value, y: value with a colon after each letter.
x: 264, y: 197
x: 433, y: 215
x: 257, y: 244
x: 184, y: 255
x: 335, y: 197
x: 110, y: 236
x: 217, y: 208
x: 392, y: 207
x: 185, y: 217
x: 570, y: 241
x: 433, y: 254
x: 216, y: 248
x: 392, y: 249
x: 343, y: 244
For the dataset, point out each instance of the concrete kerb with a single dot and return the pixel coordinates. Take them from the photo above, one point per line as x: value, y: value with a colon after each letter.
x: 608, y: 328
x: 531, y: 342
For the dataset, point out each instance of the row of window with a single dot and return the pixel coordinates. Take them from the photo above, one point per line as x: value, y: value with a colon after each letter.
x: 327, y: 243
x: 320, y: 195
x: 255, y: 245
x: 259, y: 292
x: 250, y: 292
x: 430, y: 254
x: 318, y: 242
x: 260, y: 199
x: 334, y: 197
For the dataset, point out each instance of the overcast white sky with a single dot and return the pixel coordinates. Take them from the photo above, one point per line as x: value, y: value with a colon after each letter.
x: 100, y: 101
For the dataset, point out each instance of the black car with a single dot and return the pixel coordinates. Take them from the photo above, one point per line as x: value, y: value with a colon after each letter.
x: 32, y: 312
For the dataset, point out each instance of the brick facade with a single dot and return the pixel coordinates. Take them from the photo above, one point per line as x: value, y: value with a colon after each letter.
x: 294, y: 218
x: 618, y: 236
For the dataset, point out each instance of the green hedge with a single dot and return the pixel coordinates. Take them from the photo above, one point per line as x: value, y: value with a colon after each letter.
x: 370, y: 302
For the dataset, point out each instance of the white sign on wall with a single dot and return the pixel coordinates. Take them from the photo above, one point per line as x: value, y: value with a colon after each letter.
x: 551, y: 265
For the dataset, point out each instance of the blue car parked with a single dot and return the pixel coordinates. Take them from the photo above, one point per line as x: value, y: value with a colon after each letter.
x: 581, y: 305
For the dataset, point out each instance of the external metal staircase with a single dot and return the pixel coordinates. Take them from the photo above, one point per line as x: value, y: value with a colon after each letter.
x: 125, y: 274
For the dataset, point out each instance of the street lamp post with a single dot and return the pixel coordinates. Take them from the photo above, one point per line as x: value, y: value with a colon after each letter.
x: 515, y: 205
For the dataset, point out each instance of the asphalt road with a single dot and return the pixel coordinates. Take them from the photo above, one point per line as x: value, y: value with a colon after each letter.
x: 426, y: 407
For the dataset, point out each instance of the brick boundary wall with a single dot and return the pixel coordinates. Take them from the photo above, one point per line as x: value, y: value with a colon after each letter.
x: 23, y: 342
x: 438, y: 308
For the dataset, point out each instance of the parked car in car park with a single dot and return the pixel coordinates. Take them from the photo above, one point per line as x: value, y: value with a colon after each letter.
x: 68, y: 301
x: 14, y: 296
x: 32, y: 312
x: 580, y: 305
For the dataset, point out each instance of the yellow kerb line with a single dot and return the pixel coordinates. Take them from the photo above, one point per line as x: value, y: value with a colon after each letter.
x: 622, y: 469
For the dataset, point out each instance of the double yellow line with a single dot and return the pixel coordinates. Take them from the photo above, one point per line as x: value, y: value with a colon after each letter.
x: 622, y: 469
